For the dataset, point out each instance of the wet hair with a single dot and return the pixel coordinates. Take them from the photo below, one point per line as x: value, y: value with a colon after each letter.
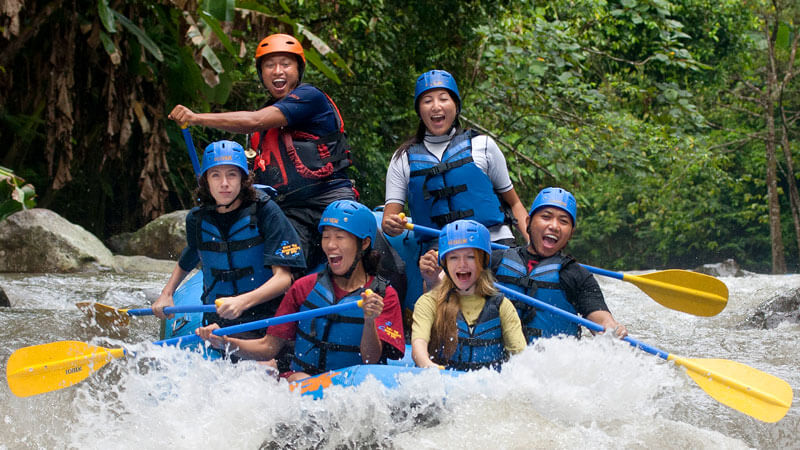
x: 371, y: 260
x: 444, y: 333
x: 247, y: 192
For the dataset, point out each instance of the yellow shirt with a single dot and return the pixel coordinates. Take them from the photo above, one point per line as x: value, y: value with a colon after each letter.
x: 471, y: 307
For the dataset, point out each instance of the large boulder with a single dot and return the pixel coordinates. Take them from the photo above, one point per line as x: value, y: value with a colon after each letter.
x: 727, y: 268
x: 162, y: 238
x: 39, y: 240
x: 782, y: 308
x: 140, y: 263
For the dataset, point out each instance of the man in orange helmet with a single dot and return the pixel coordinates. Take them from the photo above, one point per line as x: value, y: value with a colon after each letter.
x: 299, y: 139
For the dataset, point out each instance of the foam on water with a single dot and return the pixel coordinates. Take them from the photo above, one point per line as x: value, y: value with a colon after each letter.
x: 561, y: 393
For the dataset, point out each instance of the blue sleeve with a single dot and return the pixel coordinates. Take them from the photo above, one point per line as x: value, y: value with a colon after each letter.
x: 307, y: 109
x: 281, y: 243
x: 190, y: 257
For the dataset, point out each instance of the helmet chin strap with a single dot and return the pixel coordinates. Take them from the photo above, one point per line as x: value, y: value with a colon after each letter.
x: 228, y: 205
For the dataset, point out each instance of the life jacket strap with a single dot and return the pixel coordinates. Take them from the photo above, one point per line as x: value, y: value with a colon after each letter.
x: 231, y: 275
x: 446, y: 192
x: 443, y: 219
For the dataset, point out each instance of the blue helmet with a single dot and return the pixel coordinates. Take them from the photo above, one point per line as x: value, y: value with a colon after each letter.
x: 559, y: 198
x: 352, y: 217
x: 224, y: 152
x: 464, y: 234
x: 436, y: 79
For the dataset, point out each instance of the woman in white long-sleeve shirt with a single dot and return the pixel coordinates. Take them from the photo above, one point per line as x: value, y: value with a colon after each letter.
x: 446, y: 173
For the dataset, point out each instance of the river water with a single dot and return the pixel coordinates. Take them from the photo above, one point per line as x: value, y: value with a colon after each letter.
x: 596, y: 392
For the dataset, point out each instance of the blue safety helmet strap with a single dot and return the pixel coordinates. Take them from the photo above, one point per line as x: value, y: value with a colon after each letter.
x: 436, y: 79
x: 556, y: 197
x: 352, y: 217
x: 464, y: 234
x: 224, y: 152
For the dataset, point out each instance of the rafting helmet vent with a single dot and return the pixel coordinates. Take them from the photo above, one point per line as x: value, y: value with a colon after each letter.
x: 464, y: 234
x: 352, y: 217
x: 224, y: 152
x: 280, y: 43
x: 436, y: 79
x: 556, y: 197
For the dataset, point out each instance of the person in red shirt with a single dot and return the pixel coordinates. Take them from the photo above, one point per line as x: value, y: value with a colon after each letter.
x: 332, y: 342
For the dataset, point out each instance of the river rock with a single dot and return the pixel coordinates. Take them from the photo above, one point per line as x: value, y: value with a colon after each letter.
x: 162, y: 238
x: 727, y: 268
x: 140, y: 263
x: 4, y: 301
x: 782, y: 308
x: 39, y: 240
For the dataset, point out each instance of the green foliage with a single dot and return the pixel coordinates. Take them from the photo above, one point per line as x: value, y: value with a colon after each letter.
x: 637, y: 106
x: 15, y: 194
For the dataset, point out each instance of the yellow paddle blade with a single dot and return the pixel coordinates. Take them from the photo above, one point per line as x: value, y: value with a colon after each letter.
x: 743, y: 388
x: 105, y: 316
x: 682, y: 290
x: 49, y: 367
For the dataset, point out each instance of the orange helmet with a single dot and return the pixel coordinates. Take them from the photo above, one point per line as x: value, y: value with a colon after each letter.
x: 280, y: 43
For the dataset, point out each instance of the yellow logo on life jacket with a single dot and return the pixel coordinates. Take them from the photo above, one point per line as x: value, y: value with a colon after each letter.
x: 391, y: 332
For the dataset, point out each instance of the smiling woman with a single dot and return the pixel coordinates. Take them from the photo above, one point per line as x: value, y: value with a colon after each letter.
x: 464, y: 322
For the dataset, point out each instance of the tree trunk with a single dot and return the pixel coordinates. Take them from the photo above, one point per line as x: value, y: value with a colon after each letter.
x: 794, y: 196
x: 771, y: 90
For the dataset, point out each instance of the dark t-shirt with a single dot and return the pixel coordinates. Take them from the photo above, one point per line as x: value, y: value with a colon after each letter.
x: 579, y: 285
x: 307, y: 109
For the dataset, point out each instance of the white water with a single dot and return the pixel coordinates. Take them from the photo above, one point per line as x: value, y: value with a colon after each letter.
x: 595, y: 392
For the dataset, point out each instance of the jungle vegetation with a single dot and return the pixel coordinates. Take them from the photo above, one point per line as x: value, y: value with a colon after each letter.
x: 675, y: 123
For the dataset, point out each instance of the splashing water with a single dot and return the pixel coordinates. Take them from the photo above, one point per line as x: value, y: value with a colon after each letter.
x: 560, y: 393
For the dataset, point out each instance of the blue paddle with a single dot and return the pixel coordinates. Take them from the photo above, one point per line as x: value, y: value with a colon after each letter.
x: 187, y: 138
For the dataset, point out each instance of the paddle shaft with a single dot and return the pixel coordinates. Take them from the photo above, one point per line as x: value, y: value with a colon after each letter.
x: 575, y: 318
x: 187, y: 138
x: 689, y: 364
x: 259, y: 324
x: 172, y: 310
x: 434, y: 232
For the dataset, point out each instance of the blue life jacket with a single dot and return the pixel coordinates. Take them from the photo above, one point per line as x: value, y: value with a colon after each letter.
x: 482, y: 344
x: 334, y: 341
x: 441, y: 192
x: 542, y: 283
x: 234, y: 264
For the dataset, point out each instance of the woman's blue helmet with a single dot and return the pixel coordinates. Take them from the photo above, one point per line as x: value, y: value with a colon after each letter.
x: 559, y: 198
x: 464, y: 234
x: 224, y: 152
x: 436, y: 79
x: 352, y: 217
